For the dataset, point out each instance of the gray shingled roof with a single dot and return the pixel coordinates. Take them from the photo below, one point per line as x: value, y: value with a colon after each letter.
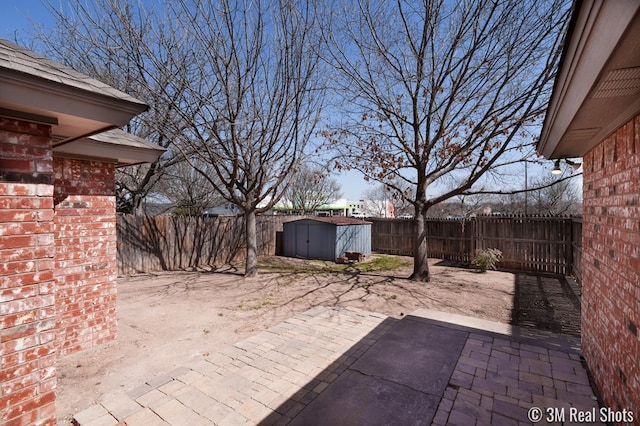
x: 115, y: 144
x: 120, y: 137
x: 16, y: 58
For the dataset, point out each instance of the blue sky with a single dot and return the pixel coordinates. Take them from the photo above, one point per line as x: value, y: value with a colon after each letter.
x: 19, y: 17
x: 17, y: 20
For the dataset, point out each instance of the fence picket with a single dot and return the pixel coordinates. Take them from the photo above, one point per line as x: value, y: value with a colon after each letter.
x: 534, y: 244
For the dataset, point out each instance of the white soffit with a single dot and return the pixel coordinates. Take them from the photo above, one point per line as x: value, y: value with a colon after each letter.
x: 598, y: 84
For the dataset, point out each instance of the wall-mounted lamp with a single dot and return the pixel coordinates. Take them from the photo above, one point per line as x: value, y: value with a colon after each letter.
x: 558, y: 171
x: 575, y: 166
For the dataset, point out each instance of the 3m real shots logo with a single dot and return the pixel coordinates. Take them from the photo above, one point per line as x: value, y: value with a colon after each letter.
x: 575, y: 415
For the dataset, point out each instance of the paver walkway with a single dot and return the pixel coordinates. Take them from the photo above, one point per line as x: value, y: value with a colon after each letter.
x: 348, y: 366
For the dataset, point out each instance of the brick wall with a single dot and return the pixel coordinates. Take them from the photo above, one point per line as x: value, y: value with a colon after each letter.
x: 25, y: 154
x: 611, y: 267
x: 27, y: 299
x: 58, y: 269
x: 85, y: 240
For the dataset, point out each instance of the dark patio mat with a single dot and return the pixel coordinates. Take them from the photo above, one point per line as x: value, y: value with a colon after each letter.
x: 400, y: 380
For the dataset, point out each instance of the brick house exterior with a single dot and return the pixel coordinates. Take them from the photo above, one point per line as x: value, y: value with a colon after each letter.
x: 57, y: 222
x: 594, y: 113
x: 611, y: 237
x: 85, y: 253
x: 27, y: 276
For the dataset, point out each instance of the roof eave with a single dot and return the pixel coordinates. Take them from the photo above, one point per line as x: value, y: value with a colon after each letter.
x: 32, y: 94
x: 598, y: 42
x: 138, y: 151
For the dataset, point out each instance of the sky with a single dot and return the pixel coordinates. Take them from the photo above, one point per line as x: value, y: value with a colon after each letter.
x: 17, y: 17
x: 17, y: 20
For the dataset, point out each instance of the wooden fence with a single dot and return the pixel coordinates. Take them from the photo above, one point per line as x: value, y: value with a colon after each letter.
x: 576, y: 252
x: 535, y: 244
x: 166, y: 243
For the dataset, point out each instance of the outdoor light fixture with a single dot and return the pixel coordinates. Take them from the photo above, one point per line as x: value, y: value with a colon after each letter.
x: 575, y: 166
x: 558, y: 171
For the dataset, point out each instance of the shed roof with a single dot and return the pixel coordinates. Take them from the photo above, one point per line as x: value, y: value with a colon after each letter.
x: 336, y: 220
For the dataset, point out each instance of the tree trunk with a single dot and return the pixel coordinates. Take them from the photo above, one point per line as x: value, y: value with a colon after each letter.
x: 251, y: 267
x: 420, y: 255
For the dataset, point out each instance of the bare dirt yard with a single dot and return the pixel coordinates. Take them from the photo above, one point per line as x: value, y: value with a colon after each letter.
x: 168, y: 319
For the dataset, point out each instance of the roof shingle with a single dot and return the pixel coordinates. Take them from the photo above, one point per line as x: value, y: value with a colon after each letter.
x: 18, y: 59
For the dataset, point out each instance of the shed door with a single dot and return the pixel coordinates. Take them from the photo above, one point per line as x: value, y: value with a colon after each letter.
x: 302, y: 240
x: 317, y: 242
x: 311, y: 241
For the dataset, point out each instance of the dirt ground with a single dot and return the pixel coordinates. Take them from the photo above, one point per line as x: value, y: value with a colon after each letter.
x: 168, y: 319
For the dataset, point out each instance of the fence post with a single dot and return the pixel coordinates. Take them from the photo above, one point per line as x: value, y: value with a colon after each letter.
x: 472, y: 236
x: 570, y: 250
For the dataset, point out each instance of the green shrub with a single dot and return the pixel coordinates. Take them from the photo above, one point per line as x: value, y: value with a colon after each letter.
x: 485, y: 259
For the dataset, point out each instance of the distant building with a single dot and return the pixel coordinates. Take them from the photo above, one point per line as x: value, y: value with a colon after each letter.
x: 226, y: 209
x: 344, y: 207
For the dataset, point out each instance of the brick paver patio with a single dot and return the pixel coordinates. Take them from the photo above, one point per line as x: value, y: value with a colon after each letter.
x: 337, y: 365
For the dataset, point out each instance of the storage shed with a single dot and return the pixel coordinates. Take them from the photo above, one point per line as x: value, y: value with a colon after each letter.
x: 326, y: 238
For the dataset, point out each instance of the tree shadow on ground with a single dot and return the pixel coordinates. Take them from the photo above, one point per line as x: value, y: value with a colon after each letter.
x: 546, y: 302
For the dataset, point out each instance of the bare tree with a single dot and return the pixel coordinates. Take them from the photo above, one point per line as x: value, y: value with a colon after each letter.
x: 234, y: 85
x: 464, y: 206
x: 546, y: 194
x: 311, y: 188
x: 556, y: 197
x: 440, y: 93
x: 376, y: 200
x: 138, y: 51
x: 252, y: 99
x: 399, y: 195
x: 187, y: 190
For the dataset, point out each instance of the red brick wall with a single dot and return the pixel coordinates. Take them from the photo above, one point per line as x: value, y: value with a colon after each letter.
x: 85, y: 239
x: 27, y: 291
x: 611, y: 267
x: 25, y: 154
x: 57, y: 269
